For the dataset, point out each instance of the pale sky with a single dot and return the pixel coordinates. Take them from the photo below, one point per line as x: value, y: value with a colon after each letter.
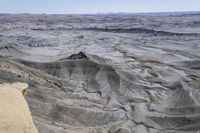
x: 96, y: 6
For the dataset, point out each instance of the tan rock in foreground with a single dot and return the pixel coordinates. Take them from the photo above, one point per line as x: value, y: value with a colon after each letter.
x: 15, y: 116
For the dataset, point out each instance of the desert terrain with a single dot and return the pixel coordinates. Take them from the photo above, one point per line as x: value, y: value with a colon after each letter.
x: 105, y: 73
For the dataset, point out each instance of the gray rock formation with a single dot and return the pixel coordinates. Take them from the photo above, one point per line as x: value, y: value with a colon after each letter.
x: 105, y: 74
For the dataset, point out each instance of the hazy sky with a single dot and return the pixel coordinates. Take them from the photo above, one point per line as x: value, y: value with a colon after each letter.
x: 96, y: 6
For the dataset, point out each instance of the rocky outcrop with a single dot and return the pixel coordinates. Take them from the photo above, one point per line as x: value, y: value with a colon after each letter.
x: 15, y: 116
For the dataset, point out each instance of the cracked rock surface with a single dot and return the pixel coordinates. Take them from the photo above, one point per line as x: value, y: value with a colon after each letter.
x: 105, y: 73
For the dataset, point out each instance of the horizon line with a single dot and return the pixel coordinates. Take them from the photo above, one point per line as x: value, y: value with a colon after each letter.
x: 145, y: 12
